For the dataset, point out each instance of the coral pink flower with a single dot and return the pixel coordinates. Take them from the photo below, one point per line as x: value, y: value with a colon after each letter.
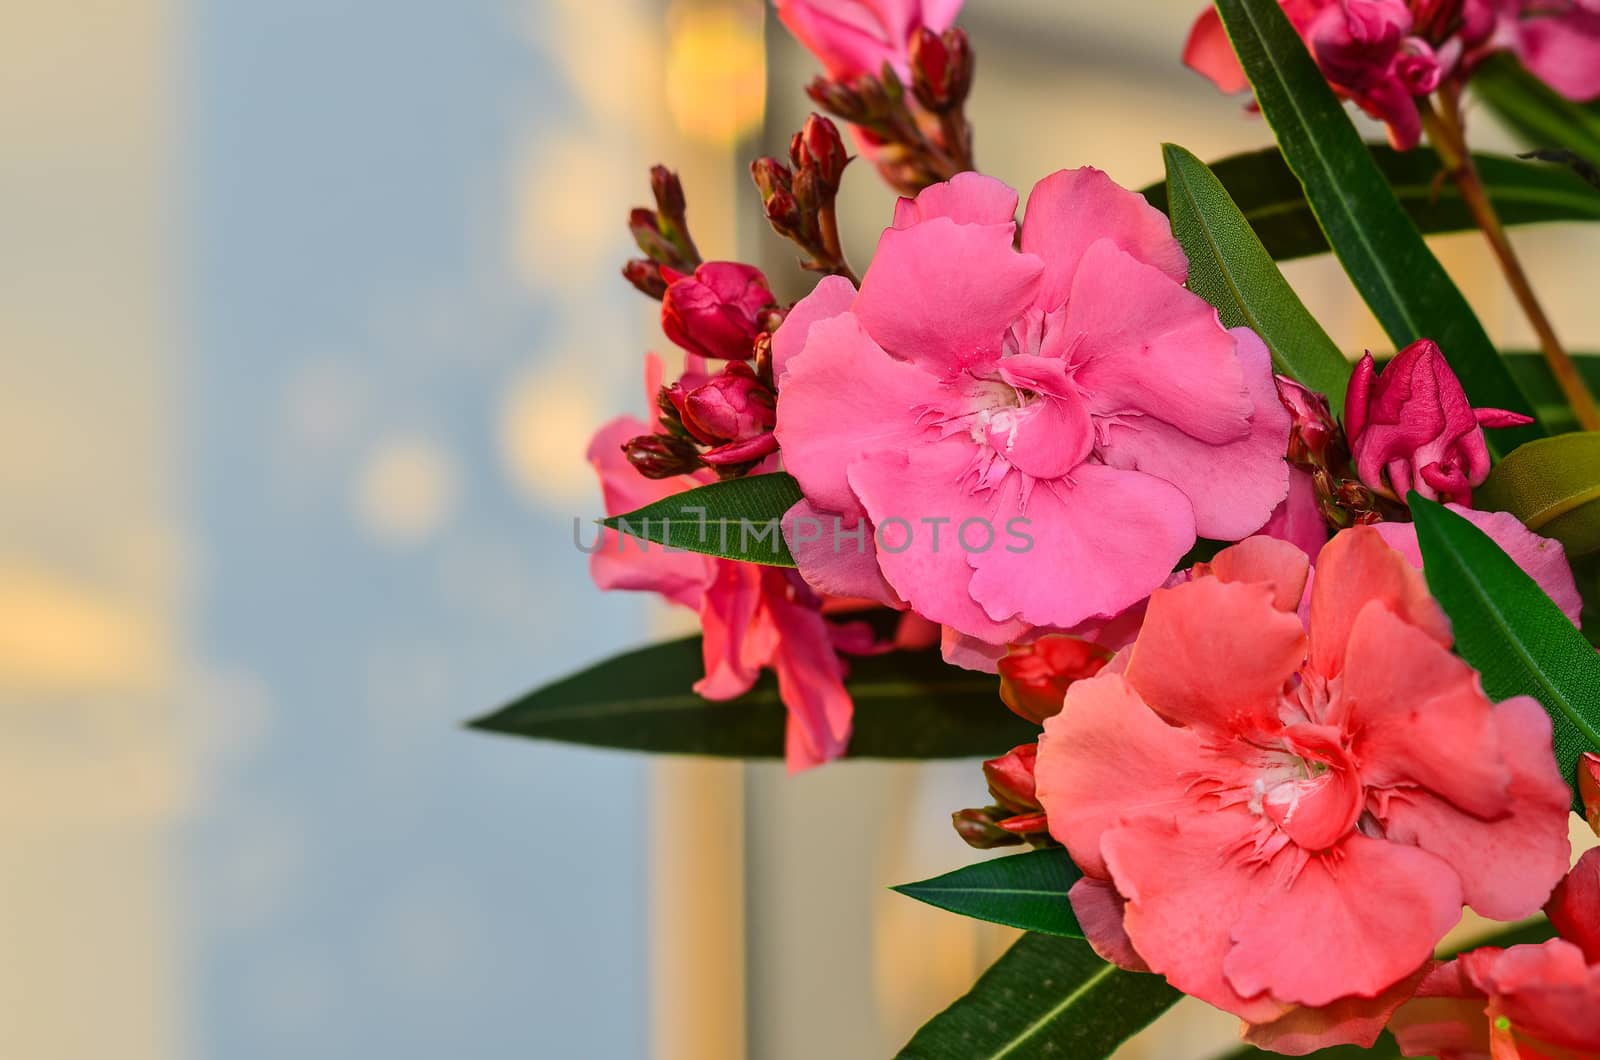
x: 1540, y: 1002
x: 855, y: 37
x: 1411, y: 428
x: 1557, y: 40
x: 752, y: 617
x: 718, y: 311
x: 979, y: 407
x: 1543, y: 559
x: 1342, y: 782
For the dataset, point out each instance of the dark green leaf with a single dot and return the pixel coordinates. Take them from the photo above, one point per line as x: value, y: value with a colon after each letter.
x: 1027, y: 891
x: 1046, y: 997
x: 1510, y: 631
x: 1553, y: 486
x: 907, y: 705
x: 1270, y: 196
x: 1533, y: 375
x: 1537, y: 113
x: 1229, y: 268
x: 737, y: 519
x: 1408, y: 291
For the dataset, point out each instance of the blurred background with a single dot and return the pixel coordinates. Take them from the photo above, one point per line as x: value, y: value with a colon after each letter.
x: 307, y: 311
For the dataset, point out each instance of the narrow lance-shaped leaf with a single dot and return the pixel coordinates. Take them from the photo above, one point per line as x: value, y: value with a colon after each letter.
x: 1510, y: 631
x: 1269, y: 195
x: 1398, y: 276
x: 1533, y: 374
x: 1553, y: 486
x: 1046, y: 998
x: 907, y: 705
x: 1229, y: 268
x: 738, y: 519
x: 1027, y: 891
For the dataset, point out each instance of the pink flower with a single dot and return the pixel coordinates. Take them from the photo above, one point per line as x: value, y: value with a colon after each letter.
x: 718, y: 311
x: 1527, y: 1001
x: 855, y: 37
x: 1029, y: 439
x: 1543, y: 559
x: 1411, y: 428
x: 1557, y: 40
x: 1298, y: 520
x: 1275, y: 813
x: 1589, y: 789
x: 752, y: 617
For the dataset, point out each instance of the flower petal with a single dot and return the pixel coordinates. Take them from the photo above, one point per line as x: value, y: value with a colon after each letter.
x: 1097, y: 566
x: 942, y: 294
x: 1234, y: 487
x: 1267, y: 560
x: 844, y: 397
x: 1507, y: 866
x: 1357, y: 567
x: 1361, y: 920
x: 1100, y: 910
x: 1104, y: 756
x: 1216, y: 655
x: 1150, y: 346
x: 810, y: 682
x: 1349, y: 1021
x: 1073, y: 208
x: 966, y: 198
x: 837, y: 555
x: 1574, y: 908
x: 832, y: 297
x: 1209, y: 53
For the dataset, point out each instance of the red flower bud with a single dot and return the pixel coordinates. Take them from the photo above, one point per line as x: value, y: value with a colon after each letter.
x: 728, y: 457
x: 718, y: 311
x: 646, y: 276
x: 1034, y: 678
x: 1412, y: 428
x: 661, y: 456
x: 668, y: 192
x: 818, y: 146
x: 1011, y: 780
x: 734, y: 406
x: 978, y: 829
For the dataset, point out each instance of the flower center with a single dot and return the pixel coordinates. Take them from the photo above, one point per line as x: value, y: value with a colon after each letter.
x: 1309, y: 787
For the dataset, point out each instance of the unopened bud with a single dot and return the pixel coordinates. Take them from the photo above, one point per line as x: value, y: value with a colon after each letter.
x: 941, y: 68
x: 818, y: 146
x: 668, y: 191
x: 733, y: 406
x: 660, y: 456
x: 838, y: 99
x: 1011, y: 779
x: 717, y: 312
x: 646, y: 276
x: 1034, y: 678
x: 978, y: 829
x: 771, y: 176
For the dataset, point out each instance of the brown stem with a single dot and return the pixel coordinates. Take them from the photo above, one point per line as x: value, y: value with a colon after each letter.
x: 1444, y: 131
x: 828, y: 224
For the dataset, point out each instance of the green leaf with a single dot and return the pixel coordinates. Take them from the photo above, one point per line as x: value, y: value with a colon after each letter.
x: 907, y: 705
x: 1027, y: 891
x: 1553, y: 486
x: 1376, y: 242
x: 1229, y: 268
x: 1510, y: 631
x: 1537, y: 113
x: 1270, y: 196
x: 1533, y: 375
x: 737, y: 519
x: 1046, y: 997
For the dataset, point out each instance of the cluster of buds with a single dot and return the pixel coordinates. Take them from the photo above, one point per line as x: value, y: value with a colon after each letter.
x: 662, y: 236
x: 1034, y: 678
x: 915, y: 138
x: 1016, y: 816
x: 1318, y: 447
x: 724, y: 423
x: 799, y: 196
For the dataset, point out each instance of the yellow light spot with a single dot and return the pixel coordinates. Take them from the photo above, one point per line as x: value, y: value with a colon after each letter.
x: 716, y: 70
x: 407, y: 491
x: 60, y: 635
x: 572, y: 212
x: 545, y: 425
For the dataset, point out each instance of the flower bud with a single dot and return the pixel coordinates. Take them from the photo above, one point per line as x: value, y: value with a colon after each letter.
x: 978, y: 829
x: 818, y: 146
x: 646, y: 276
x: 647, y: 236
x: 734, y: 406
x: 838, y: 99
x: 1411, y: 428
x: 727, y: 459
x: 717, y: 312
x: 941, y: 68
x: 1011, y: 780
x: 668, y: 192
x: 661, y: 456
x: 1034, y: 678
